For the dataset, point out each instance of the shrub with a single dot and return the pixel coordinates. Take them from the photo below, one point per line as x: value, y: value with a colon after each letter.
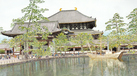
x: 2, y: 51
x: 131, y: 51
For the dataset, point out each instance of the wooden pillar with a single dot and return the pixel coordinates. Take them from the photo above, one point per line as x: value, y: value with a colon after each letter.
x: 5, y: 50
x: 79, y: 26
x: 74, y: 50
x: 48, y: 43
x: 83, y: 25
x: 13, y: 50
x: 20, y: 48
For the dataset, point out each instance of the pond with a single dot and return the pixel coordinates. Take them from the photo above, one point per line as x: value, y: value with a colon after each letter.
x: 82, y: 66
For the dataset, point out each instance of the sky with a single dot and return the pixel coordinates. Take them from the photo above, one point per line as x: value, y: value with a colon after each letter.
x: 102, y: 10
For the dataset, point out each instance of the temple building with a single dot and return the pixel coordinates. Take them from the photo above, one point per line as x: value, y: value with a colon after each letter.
x: 73, y: 21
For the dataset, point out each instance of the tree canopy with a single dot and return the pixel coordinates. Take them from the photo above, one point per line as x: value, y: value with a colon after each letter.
x: 5, y: 41
x: 82, y: 39
x: 59, y: 43
x: 132, y: 25
x: 32, y: 14
x: 116, y: 24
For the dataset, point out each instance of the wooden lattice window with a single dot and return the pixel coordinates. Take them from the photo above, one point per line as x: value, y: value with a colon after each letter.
x: 87, y: 26
x: 61, y: 26
x: 75, y: 26
x: 83, y: 26
x: 79, y: 26
x: 66, y: 26
x: 70, y: 27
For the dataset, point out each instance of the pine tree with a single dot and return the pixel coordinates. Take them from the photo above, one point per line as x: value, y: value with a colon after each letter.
x: 32, y: 14
x: 132, y: 25
x: 116, y: 24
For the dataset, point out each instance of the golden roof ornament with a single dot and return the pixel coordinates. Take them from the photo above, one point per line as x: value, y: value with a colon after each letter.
x: 60, y: 9
x: 75, y: 8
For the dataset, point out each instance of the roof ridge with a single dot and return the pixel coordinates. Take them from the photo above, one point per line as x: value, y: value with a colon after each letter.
x: 71, y: 10
x: 56, y: 25
x: 39, y: 22
x: 67, y: 10
x: 53, y: 14
x: 61, y: 11
x: 83, y: 14
x: 13, y: 26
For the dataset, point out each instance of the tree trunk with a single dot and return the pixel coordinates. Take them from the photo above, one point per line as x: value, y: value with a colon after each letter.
x: 82, y: 49
x: 74, y: 50
x: 118, y: 48
x: 101, y: 46
x: 128, y: 48
x: 25, y: 48
x: 89, y: 46
x: 65, y: 51
x: 26, y: 42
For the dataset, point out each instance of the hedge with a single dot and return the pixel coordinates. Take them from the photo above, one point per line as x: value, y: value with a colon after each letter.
x: 2, y: 51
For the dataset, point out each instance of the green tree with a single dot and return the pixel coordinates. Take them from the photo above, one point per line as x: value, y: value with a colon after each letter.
x: 132, y: 25
x: 33, y: 41
x: 102, y: 41
x: 116, y: 25
x: 89, y: 40
x: 82, y: 39
x: 112, y: 41
x: 130, y: 40
x: 59, y: 43
x: 33, y: 14
x: 4, y: 41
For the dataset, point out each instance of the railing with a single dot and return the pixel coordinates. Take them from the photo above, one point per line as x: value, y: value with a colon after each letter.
x: 8, y: 61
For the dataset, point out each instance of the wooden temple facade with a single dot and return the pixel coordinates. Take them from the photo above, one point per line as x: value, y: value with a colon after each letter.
x: 72, y: 20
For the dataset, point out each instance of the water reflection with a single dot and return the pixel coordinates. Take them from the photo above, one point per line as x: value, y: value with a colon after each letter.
x: 83, y: 66
x: 107, y: 67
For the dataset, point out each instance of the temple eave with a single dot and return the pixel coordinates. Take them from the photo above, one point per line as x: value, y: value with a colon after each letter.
x: 75, y: 22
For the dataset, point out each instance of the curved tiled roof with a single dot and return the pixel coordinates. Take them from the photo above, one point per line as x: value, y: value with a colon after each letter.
x: 51, y: 25
x: 89, y: 31
x: 70, y: 16
x: 4, y: 46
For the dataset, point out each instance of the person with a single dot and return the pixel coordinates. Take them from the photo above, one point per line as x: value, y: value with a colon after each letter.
x: 72, y: 54
x: 9, y: 56
x: 35, y: 55
x: 31, y: 56
x: 5, y: 56
x: 18, y: 56
x: 0, y: 57
x: 14, y: 56
x: 11, y: 50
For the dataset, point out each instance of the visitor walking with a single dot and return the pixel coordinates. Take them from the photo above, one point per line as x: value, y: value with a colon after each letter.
x: 9, y: 56
x: 18, y: 56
